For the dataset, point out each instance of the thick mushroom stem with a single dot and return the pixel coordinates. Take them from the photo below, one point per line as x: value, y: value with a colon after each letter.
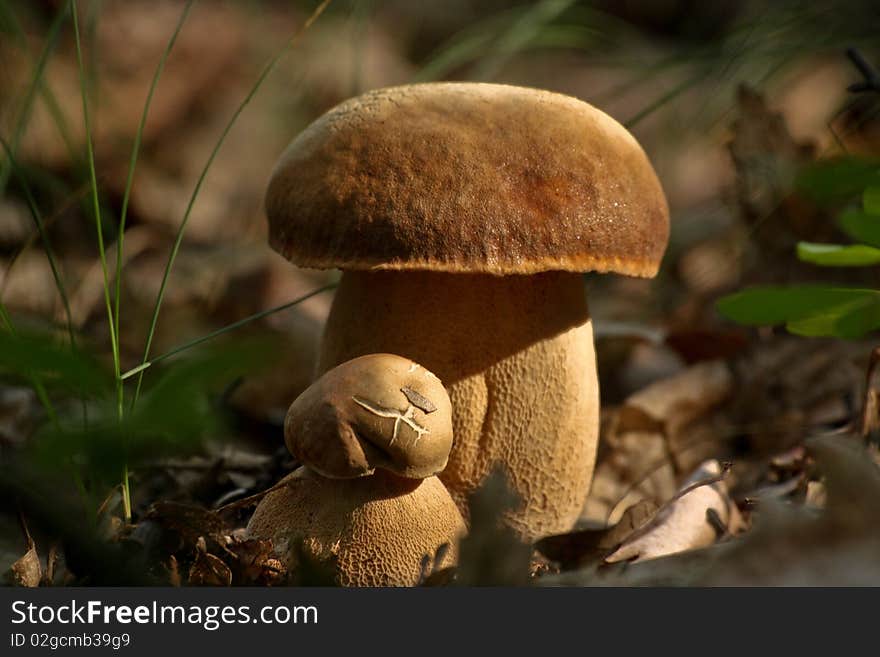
x: 374, y: 530
x: 516, y: 356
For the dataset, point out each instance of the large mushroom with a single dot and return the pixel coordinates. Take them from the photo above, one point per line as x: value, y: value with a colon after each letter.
x: 461, y: 215
x: 371, y: 433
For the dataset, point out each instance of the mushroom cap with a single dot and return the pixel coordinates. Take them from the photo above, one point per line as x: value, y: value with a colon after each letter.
x: 375, y: 530
x: 467, y: 177
x: 376, y: 411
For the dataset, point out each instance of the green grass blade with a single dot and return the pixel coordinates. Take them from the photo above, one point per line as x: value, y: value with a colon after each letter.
x: 93, y: 181
x: 31, y: 93
x: 51, y: 102
x: 5, y: 318
x: 463, y: 47
x: 96, y: 209
x: 521, y: 34
x: 666, y: 97
x: 178, y: 240
x: 225, y: 329
x: 123, y: 214
x: 135, y: 150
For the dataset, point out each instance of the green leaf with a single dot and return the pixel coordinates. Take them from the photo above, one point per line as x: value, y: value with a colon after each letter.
x: 838, y: 255
x: 851, y: 320
x: 839, y: 179
x: 871, y: 200
x: 806, y: 310
x: 861, y: 226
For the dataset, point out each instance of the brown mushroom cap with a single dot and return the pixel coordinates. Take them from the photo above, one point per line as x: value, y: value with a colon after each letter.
x: 375, y: 531
x: 376, y: 411
x: 467, y: 177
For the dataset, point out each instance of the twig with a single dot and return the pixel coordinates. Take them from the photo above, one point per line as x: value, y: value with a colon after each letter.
x: 872, y: 79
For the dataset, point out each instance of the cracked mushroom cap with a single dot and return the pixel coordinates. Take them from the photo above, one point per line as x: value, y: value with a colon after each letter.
x: 377, y: 411
x: 467, y: 177
x: 372, y: 531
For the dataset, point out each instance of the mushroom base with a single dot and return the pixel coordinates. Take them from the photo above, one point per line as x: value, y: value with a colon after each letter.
x: 372, y: 531
x: 517, y: 358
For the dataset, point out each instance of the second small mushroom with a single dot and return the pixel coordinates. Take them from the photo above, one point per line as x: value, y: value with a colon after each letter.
x: 372, y: 434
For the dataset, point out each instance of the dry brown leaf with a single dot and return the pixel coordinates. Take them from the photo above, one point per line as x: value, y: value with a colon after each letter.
x: 686, y: 522
x: 27, y: 571
x: 578, y: 549
x: 634, y: 466
x: 803, y: 546
x: 677, y: 400
x: 786, y: 386
x: 767, y: 159
x: 185, y: 525
x: 207, y: 569
x: 644, y: 442
x: 253, y: 562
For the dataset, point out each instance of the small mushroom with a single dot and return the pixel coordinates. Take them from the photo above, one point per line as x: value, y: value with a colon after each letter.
x: 462, y: 215
x: 372, y: 433
x: 383, y: 411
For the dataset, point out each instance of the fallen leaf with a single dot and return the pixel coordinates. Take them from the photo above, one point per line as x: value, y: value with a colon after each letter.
x: 184, y: 525
x: 580, y: 548
x: 678, y: 400
x: 633, y: 466
x: 207, y: 569
x: 682, y: 523
x: 767, y: 159
x: 253, y: 562
x: 26, y: 571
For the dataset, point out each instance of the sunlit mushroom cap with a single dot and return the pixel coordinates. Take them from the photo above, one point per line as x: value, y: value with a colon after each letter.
x: 377, y: 411
x: 467, y: 177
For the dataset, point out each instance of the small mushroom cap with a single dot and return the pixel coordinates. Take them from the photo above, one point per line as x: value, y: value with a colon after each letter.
x: 467, y: 177
x: 375, y: 531
x: 376, y: 411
